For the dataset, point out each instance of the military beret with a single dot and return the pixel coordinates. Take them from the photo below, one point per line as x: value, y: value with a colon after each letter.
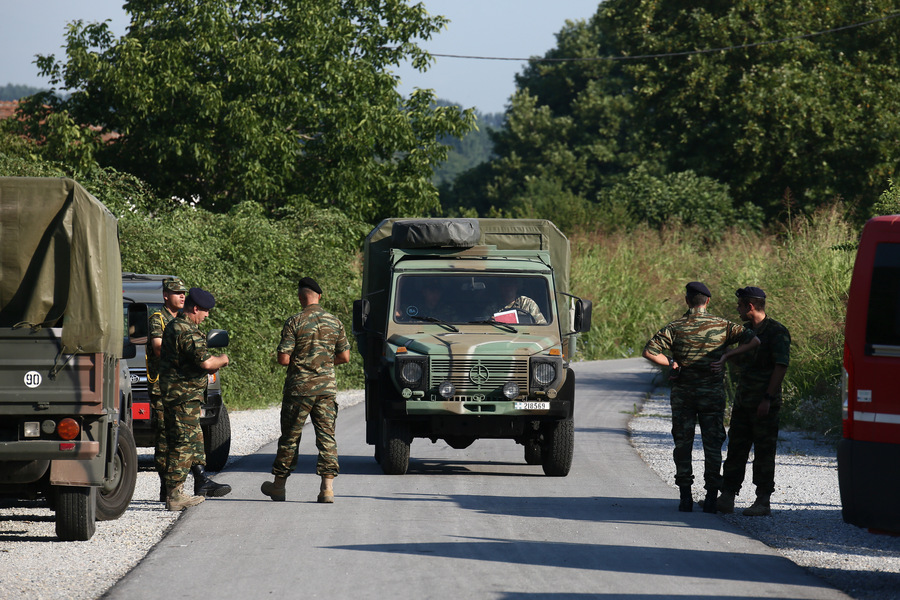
x: 174, y: 284
x: 309, y: 282
x: 750, y: 292
x: 695, y: 287
x: 201, y: 298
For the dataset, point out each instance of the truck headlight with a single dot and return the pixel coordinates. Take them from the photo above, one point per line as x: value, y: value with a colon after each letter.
x: 543, y: 373
x: 510, y: 390
x: 411, y: 373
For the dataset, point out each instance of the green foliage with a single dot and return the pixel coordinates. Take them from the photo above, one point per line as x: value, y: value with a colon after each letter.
x: 252, y: 263
x: 684, y: 197
x: 889, y: 201
x: 222, y: 102
x: 636, y: 280
x: 817, y: 115
x: 468, y: 151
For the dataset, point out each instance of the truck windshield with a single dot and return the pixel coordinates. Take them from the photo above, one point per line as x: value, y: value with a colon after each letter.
x: 883, y: 323
x: 460, y: 299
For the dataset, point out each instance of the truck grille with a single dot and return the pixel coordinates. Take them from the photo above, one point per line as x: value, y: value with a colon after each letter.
x: 479, y: 376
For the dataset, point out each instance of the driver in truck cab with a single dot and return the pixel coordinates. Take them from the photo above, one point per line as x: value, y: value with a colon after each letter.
x: 511, y: 300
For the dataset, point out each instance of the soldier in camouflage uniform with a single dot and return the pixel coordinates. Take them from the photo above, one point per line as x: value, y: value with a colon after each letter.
x: 697, y: 342
x: 173, y: 301
x: 312, y: 343
x: 511, y: 300
x: 754, y: 416
x: 185, y: 363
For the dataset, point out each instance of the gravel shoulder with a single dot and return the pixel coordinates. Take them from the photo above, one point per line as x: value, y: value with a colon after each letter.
x: 806, y: 525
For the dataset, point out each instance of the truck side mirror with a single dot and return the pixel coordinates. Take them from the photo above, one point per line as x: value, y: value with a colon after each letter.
x: 217, y: 338
x: 129, y: 350
x: 138, y: 323
x: 360, y: 315
x: 582, y: 315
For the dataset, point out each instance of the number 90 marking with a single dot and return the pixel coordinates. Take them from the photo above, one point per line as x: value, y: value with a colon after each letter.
x: 32, y: 379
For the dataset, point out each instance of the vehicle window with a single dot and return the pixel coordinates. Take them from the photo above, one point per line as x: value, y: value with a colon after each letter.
x: 457, y: 299
x: 152, y: 307
x: 883, y: 320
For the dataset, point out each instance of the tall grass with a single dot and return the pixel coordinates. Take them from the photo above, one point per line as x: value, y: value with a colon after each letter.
x: 636, y: 280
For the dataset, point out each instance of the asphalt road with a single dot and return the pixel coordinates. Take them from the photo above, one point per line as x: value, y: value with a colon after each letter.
x: 473, y: 523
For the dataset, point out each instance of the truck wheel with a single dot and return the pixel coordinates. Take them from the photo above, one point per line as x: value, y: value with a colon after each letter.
x: 217, y: 441
x: 532, y: 452
x: 558, y: 448
x: 115, y: 495
x: 76, y: 511
x: 395, y: 451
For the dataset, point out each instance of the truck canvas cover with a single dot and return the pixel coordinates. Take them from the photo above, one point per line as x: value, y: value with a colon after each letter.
x: 458, y: 234
x: 59, y: 258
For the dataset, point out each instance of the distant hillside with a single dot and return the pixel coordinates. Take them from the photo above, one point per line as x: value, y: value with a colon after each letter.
x: 474, y: 149
x: 15, y: 92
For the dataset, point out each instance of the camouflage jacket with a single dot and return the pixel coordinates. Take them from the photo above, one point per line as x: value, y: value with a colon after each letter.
x: 524, y: 303
x: 181, y: 377
x: 312, y: 338
x: 697, y: 340
x: 158, y: 322
x: 756, y: 366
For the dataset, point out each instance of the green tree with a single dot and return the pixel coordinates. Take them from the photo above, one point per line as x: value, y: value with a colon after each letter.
x: 772, y: 111
x: 273, y: 101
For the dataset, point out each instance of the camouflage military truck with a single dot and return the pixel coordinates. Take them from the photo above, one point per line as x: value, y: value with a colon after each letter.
x: 65, y: 398
x: 214, y: 420
x: 466, y: 328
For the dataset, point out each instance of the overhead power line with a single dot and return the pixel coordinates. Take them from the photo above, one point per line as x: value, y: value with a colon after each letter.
x: 671, y: 54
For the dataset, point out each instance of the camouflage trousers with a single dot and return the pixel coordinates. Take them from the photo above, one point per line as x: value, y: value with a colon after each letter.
x: 322, y: 410
x: 184, y: 440
x: 161, y: 449
x: 761, y: 433
x: 690, y: 406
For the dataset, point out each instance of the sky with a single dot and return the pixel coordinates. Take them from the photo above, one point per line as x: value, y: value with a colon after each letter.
x: 496, y: 28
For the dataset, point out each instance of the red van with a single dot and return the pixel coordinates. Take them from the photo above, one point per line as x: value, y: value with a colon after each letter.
x: 869, y: 453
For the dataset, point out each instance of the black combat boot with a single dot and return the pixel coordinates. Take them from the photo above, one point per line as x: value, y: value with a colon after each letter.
x: 709, y: 504
x: 687, y: 502
x: 204, y: 486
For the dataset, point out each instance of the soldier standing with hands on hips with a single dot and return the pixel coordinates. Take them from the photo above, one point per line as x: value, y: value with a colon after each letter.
x: 185, y: 365
x: 754, y: 416
x: 312, y: 343
x: 697, y: 342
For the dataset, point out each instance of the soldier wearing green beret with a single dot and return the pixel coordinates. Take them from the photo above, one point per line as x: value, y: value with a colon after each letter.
x: 174, y: 293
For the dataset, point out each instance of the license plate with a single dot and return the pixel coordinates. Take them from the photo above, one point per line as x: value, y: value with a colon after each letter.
x: 532, y: 406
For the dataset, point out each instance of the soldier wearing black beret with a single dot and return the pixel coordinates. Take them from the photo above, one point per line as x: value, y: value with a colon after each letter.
x: 185, y: 365
x: 312, y: 343
x: 698, y: 343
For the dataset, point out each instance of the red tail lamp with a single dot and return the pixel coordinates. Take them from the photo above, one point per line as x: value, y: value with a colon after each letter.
x: 68, y: 429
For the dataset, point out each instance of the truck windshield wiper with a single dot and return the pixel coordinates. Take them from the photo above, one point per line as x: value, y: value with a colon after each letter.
x: 436, y: 320
x: 492, y: 321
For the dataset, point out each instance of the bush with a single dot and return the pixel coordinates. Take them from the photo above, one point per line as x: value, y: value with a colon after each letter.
x: 685, y: 197
x: 251, y: 264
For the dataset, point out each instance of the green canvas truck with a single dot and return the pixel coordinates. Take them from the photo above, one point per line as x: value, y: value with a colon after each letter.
x: 65, y: 396
x: 466, y: 328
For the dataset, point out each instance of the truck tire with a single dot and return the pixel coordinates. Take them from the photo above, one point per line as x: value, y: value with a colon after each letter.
x: 395, y: 451
x: 115, y: 495
x: 532, y: 452
x: 558, y: 448
x: 76, y: 511
x: 217, y: 441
